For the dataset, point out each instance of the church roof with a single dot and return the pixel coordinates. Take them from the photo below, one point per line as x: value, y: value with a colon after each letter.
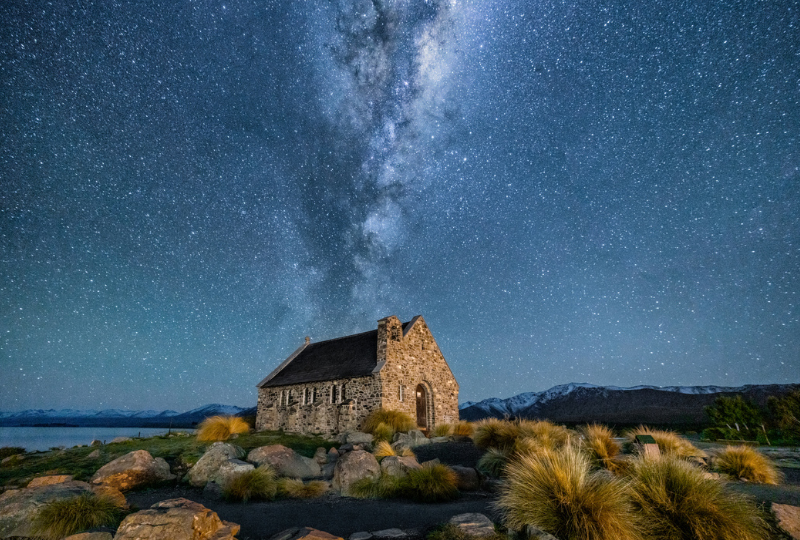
x: 340, y: 358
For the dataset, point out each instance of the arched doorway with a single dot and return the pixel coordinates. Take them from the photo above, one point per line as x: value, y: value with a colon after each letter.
x: 422, y: 408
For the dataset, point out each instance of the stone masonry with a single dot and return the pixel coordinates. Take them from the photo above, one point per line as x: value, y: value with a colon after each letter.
x: 407, y: 374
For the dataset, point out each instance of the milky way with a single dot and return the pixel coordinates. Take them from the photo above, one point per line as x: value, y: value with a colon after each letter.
x: 589, y: 192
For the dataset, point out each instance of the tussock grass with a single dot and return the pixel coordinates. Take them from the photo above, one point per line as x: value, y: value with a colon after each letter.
x: 669, y: 442
x: 431, y: 483
x: 383, y: 487
x: 384, y: 449
x: 463, y: 429
x: 220, y: 428
x: 398, y: 421
x: 383, y: 432
x: 745, y: 463
x: 494, y: 433
x: 493, y: 462
x: 598, y: 442
x: 556, y: 491
x: 677, y: 502
x: 443, y: 430
x: 296, y: 489
x: 259, y: 484
x: 63, y: 517
x: 546, y: 434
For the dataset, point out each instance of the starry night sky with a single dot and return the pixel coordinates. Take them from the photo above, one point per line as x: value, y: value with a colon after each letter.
x: 603, y: 192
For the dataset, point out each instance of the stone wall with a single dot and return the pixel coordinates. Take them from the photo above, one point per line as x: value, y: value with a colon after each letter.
x: 411, y: 360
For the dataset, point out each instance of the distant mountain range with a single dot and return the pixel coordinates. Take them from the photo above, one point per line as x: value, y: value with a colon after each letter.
x: 119, y: 417
x: 582, y: 402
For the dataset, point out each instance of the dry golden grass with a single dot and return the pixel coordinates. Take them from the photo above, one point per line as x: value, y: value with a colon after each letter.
x: 745, y: 463
x: 669, y: 442
x: 494, y: 433
x: 259, y: 484
x: 384, y: 449
x: 220, y: 428
x: 556, y: 491
x: 63, y: 517
x: 443, y: 430
x: 493, y: 461
x: 598, y: 442
x: 463, y: 429
x: 547, y: 434
x: 296, y: 489
x: 398, y: 421
x: 383, y: 432
x: 677, y: 502
x: 431, y: 483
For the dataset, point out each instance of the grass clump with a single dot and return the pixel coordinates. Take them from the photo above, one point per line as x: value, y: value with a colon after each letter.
x: 463, y: 429
x: 598, y: 442
x: 383, y: 432
x: 384, y: 449
x: 669, y: 443
x: 494, y: 433
x: 431, y: 483
x: 677, y: 502
x: 493, y: 462
x: 64, y: 517
x: 220, y: 428
x: 258, y: 484
x: 745, y: 463
x: 383, y: 487
x: 396, y: 420
x: 556, y: 491
x: 296, y: 489
x: 443, y: 430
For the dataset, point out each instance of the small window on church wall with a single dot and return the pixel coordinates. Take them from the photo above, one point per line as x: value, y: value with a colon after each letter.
x: 333, y: 393
x: 313, y: 395
x: 395, y: 334
x: 305, y: 396
x: 343, y: 393
x: 280, y: 399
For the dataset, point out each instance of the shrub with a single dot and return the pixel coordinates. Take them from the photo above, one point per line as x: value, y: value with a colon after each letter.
x: 296, y: 489
x: 8, y: 451
x: 443, y: 430
x: 677, y: 502
x: 463, y: 429
x: 383, y: 487
x: 745, y: 463
x: 494, y: 433
x: 669, y: 442
x: 556, y: 491
x: 546, y: 434
x: 598, y: 442
x: 63, y: 517
x: 220, y: 428
x: 431, y: 483
x: 493, y: 462
x: 256, y: 484
x: 384, y: 449
x: 383, y: 432
x: 398, y: 421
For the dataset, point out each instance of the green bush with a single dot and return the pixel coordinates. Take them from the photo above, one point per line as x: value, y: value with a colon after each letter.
x: 383, y: 432
x: 63, y: 517
x: 8, y: 451
x: 493, y: 462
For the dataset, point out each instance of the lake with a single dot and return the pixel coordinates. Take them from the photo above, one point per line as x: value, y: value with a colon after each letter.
x: 44, y: 438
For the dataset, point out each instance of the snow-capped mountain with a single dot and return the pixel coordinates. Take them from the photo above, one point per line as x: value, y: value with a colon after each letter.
x: 583, y: 402
x: 117, y: 417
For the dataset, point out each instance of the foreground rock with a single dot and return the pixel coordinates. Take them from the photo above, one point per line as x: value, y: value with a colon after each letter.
x: 50, y: 480
x: 352, y: 467
x: 468, y: 478
x: 18, y: 507
x: 285, y: 461
x: 304, y: 533
x: 229, y: 470
x: 474, y: 525
x: 207, y: 467
x: 409, y: 440
x: 90, y: 536
x: 788, y: 519
x: 399, y: 466
x: 176, y: 519
x: 134, y: 469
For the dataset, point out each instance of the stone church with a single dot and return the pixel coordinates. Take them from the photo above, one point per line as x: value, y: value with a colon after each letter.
x: 330, y: 386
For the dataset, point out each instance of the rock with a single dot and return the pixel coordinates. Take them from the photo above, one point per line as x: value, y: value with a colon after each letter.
x: 411, y: 439
x: 50, y: 480
x: 19, y: 506
x: 474, y: 525
x: 333, y: 455
x: 321, y: 456
x: 435, y: 440
x: 357, y: 437
x: 134, y: 469
x: 346, y: 448
x: 96, y: 442
x: 176, y: 519
x: 363, y: 535
x: 327, y: 470
x: 91, y: 536
x: 399, y: 466
x: 535, y: 533
x: 468, y: 478
x: 305, y: 533
x: 285, y: 461
x: 788, y: 519
x: 12, y: 459
x: 431, y: 462
x: 354, y: 466
x: 393, y: 534
x: 120, y: 439
x: 111, y: 493
x: 228, y: 470
x: 212, y: 491
x: 209, y: 463
x: 94, y: 454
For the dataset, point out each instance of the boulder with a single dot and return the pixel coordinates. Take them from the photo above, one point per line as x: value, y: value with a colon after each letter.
x: 50, y: 480
x: 468, y: 478
x: 285, y: 461
x: 352, y: 467
x: 535, y: 533
x: 112, y: 494
x: 94, y: 454
x: 357, y: 437
x: 134, y: 469
x: 361, y: 535
x: 230, y: 469
x: 788, y: 519
x: 474, y: 525
x: 176, y: 519
x: 333, y: 455
x: 395, y: 534
x: 305, y: 533
x: 436, y: 440
x: 327, y: 470
x: 18, y: 507
x: 409, y: 440
x: 90, y: 536
x: 321, y: 456
x: 399, y: 466
x: 209, y: 463
x: 120, y: 439
x: 96, y: 442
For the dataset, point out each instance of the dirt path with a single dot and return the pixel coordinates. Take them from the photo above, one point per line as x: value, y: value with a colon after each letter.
x: 337, y: 515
